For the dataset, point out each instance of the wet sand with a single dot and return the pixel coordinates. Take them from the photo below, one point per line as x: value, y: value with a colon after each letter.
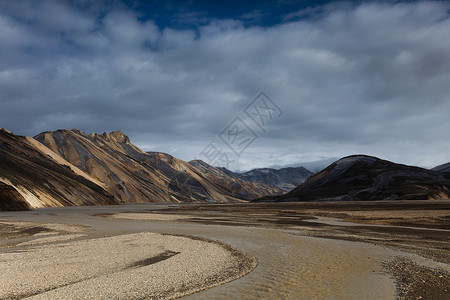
x: 298, y: 256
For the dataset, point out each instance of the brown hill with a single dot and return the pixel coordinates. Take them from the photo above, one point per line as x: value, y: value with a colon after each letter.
x: 105, y: 158
x: 233, y: 185
x: 132, y: 175
x: 32, y: 176
x: 363, y: 178
x: 69, y: 167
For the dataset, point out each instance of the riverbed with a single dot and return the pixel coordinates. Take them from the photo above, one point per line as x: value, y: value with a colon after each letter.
x: 292, y: 263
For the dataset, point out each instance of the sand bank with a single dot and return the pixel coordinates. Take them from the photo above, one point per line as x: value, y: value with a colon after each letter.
x: 141, y: 265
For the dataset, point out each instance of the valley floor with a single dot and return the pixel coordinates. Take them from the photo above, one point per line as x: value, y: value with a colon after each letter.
x: 346, y: 250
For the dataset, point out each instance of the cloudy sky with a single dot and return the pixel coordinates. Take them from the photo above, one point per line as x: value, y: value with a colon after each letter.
x: 339, y: 78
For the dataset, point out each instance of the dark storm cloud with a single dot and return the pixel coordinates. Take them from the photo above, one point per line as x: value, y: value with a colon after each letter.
x: 369, y: 78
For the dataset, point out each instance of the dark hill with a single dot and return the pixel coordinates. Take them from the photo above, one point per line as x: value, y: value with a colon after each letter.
x: 366, y: 178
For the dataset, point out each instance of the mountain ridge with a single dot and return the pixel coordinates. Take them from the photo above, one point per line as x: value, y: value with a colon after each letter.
x: 105, y: 168
x: 367, y: 178
x: 133, y: 175
x: 445, y: 168
x: 69, y: 167
x: 285, y: 179
x: 31, y: 177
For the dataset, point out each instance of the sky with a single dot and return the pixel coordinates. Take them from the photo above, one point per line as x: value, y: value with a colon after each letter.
x: 240, y: 84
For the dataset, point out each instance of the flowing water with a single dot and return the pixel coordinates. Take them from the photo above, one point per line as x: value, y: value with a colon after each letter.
x: 294, y: 267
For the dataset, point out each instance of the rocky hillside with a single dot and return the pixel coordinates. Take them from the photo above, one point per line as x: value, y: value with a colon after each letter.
x: 285, y: 179
x: 232, y: 185
x: 364, y: 178
x: 69, y: 167
x: 133, y: 175
x: 33, y: 176
x: 107, y: 159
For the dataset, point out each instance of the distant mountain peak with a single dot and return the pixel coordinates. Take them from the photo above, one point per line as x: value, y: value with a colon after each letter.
x: 285, y: 178
x: 117, y: 136
x: 78, y: 131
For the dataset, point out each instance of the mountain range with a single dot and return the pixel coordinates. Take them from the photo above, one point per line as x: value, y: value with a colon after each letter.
x: 69, y: 167
x: 285, y: 179
x: 364, y: 178
x: 32, y: 176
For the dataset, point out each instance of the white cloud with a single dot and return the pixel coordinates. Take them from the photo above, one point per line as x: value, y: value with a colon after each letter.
x: 126, y: 33
x: 366, y: 79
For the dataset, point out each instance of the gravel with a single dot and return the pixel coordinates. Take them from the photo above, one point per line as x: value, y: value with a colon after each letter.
x: 419, y: 282
x: 132, y: 266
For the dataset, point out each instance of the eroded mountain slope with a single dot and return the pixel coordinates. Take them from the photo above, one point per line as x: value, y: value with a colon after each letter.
x: 233, y: 185
x: 133, y: 175
x: 32, y: 176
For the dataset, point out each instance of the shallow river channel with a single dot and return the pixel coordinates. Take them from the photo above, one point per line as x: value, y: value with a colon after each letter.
x: 290, y: 266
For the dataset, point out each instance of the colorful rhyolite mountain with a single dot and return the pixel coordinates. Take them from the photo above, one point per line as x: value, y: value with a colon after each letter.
x: 363, y: 178
x: 69, y: 167
x: 32, y: 176
x: 136, y: 176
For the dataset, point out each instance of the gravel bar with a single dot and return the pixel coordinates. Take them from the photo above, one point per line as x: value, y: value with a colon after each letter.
x: 132, y: 266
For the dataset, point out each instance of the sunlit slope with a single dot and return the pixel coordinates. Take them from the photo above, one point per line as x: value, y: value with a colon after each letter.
x: 30, y: 177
